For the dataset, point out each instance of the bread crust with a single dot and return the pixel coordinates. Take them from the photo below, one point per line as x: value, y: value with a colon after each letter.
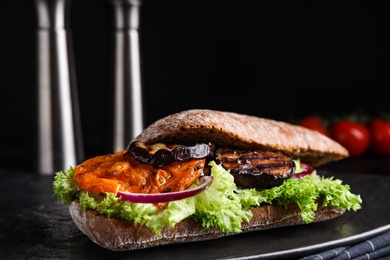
x: 229, y: 129
x: 121, y: 235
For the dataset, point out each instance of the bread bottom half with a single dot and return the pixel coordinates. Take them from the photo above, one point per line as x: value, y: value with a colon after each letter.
x: 120, y: 235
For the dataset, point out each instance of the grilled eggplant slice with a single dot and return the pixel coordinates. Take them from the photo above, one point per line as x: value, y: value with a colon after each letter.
x: 256, y: 169
x: 161, y: 154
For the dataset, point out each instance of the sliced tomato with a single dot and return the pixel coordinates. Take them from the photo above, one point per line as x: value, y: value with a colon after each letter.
x: 353, y: 135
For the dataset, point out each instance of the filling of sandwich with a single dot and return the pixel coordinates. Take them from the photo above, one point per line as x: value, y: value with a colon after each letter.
x: 160, y: 168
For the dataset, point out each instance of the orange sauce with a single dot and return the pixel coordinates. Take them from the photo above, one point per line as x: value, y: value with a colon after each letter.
x: 121, y: 172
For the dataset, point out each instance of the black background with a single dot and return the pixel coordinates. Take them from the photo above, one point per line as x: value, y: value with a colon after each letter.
x: 275, y: 59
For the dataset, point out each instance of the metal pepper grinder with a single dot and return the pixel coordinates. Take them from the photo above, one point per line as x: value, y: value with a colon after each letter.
x: 59, y: 131
x: 127, y: 85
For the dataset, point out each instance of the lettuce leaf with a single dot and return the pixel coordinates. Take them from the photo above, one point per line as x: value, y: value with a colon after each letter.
x: 307, y: 190
x: 222, y: 205
x: 64, y: 187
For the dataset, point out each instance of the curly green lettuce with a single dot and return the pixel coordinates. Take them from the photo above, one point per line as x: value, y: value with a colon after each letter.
x: 222, y: 204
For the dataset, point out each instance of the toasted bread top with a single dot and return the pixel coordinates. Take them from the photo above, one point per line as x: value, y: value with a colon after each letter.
x: 229, y: 129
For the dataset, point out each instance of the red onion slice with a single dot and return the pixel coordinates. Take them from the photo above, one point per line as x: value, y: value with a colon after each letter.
x: 307, y: 170
x: 205, y: 182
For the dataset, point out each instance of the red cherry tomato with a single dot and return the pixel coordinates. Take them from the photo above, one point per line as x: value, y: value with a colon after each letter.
x: 316, y: 123
x: 380, y: 136
x: 354, y: 136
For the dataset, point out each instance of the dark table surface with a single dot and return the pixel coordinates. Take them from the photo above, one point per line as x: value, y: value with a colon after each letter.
x: 34, y: 225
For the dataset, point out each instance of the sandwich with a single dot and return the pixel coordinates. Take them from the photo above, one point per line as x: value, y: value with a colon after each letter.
x: 203, y: 174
